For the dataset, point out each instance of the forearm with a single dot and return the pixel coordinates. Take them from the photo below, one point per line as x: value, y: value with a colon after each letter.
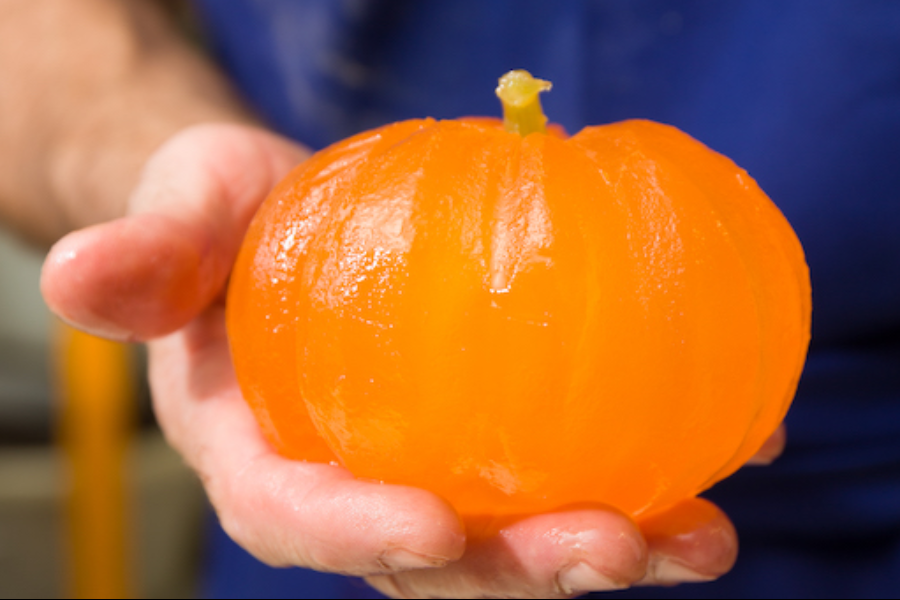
x: 88, y: 90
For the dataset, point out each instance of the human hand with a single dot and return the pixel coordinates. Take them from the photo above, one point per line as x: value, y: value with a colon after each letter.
x: 158, y: 274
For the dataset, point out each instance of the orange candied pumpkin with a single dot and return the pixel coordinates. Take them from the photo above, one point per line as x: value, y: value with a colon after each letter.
x: 519, y: 321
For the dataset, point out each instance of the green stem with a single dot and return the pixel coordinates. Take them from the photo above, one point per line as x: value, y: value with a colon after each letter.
x: 519, y: 93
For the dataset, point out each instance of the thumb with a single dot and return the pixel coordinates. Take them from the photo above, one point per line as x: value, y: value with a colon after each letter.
x: 150, y: 272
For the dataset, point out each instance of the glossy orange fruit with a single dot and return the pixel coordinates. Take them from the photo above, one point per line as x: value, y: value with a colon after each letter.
x: 518, y: 323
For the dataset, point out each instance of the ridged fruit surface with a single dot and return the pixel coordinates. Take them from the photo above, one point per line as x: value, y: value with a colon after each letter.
x: 521, y: 323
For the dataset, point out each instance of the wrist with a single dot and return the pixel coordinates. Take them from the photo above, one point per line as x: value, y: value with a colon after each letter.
x: 96, y: 161
x: 108, y: 83
x: 97, y: 156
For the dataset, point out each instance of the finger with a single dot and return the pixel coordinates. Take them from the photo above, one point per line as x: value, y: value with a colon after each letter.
x: 771, y: 448
x: 552, y: 555
x: 286, y: 512
x: 152, y: 271
x: 130, y: 279
x: 691, y: 542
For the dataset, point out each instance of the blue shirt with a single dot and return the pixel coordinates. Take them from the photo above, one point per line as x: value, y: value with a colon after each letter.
x: 804, y: 94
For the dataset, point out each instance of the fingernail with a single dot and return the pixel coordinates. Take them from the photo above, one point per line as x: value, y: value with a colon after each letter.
x: 584, y: 578
x: 401, y: 559
x: 106, y: 330
x: 667, y: 570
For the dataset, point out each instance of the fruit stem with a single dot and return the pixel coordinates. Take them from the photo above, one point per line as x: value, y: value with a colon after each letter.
x: 519, y: 93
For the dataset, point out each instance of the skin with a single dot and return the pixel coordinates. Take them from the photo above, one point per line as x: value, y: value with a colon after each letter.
x: 144, y: 169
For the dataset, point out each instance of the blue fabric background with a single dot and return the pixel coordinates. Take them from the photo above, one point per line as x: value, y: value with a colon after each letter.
x: 804, y: 94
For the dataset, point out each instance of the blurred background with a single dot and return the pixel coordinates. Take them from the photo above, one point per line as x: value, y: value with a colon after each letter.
x: 48, y: 484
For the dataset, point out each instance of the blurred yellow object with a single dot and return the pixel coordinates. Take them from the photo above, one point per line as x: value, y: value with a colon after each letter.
x: 96, y: 392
